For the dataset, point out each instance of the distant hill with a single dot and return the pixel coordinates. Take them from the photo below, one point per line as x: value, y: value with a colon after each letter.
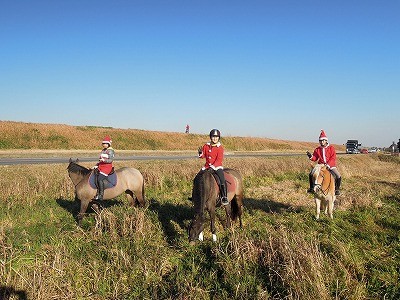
x: 21, y: 135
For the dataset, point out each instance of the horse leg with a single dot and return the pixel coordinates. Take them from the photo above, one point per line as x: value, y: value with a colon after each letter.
x: 228, y: 215
x: 331, y: 204
x: 317, y: 207
x: 84, y: 206
x: 326, y: 204
x: 131, y: 197
x: 212, y: 225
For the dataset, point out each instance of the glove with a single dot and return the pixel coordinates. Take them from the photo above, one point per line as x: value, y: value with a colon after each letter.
x: 309, y: 154
x: 200, y: 150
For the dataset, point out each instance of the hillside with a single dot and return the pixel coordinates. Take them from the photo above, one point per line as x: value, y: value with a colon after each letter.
x: 20, y: 135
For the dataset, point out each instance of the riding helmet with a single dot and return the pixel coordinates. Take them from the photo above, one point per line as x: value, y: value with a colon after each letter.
x: 215, y: 132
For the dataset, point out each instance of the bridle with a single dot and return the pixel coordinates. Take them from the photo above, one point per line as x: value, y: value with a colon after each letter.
x: 319, y: 185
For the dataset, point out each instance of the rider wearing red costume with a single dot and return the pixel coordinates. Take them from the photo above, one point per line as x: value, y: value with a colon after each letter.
x: 325, y: 154
x: 104, y: 166
x: 213, y: 152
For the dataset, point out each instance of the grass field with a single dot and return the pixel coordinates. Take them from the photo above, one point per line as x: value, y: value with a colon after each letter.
x: 282, y: 252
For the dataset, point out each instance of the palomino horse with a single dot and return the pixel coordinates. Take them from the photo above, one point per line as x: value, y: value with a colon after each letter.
x: 129, y: 180
x: 324, y: 188
x: 205, y: 195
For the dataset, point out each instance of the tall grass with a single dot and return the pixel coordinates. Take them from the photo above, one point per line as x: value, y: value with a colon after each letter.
x: 134, y: 253
x: 20, y: 135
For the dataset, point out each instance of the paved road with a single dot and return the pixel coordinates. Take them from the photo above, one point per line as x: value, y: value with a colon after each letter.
x: 63, y: 160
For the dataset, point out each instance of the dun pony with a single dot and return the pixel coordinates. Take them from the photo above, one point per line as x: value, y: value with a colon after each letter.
x: 129, y: 180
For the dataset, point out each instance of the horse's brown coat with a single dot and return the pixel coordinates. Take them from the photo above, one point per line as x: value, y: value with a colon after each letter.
x: 205, y: 195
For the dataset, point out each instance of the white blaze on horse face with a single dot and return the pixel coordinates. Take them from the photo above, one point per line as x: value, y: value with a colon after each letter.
x: 214, y: 237
x: 201, y: 236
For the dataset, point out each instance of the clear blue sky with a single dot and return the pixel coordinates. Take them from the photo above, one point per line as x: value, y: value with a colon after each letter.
x: 275, y: 69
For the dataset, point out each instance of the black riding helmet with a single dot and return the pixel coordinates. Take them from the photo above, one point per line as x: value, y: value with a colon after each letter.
x: 215, y: 132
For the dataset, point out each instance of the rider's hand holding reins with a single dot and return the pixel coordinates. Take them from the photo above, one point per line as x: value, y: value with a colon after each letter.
x: 309, y: 154
x: 200, y: 150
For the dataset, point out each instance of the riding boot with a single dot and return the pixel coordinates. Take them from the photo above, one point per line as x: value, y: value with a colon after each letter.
x: 338, y: 181
x: 311, y: 180
x: 100, y: 190
x: 224, y: 198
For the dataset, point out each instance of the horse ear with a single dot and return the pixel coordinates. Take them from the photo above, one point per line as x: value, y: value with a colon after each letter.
x: 77, y: 160
x: 70, y: 160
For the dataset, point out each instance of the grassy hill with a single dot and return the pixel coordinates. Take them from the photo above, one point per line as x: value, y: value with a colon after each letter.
x: 20, y: 135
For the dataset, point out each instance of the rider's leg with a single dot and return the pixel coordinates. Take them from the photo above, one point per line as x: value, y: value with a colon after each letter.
x: 223, y: 189
x: 100, y: 186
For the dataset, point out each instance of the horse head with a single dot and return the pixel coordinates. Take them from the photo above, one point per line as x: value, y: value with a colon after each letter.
x: 76, y: 172
x: 318, y: 176
x: 198, y: 197
x: 196, y: 228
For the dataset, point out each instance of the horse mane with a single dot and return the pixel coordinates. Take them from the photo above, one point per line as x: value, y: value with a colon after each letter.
x: 198, y: 193
x: 73, y: 167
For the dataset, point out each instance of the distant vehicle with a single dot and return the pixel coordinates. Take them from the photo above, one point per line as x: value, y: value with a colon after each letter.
x: 364, y: 151
x: 352, y: 147
x: 373, y: 150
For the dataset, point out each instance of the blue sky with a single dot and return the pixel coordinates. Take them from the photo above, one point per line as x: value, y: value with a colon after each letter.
x: 275, y: 69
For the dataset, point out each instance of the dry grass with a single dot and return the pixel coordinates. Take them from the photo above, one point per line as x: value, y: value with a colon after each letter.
x: 20, y: 135
x: 133, y: 253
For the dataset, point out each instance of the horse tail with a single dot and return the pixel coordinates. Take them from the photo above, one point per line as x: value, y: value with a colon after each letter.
x: 237, y: 201
x: 235, y: 210
x: 143, y: 194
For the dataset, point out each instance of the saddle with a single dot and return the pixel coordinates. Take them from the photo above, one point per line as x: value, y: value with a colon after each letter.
x: 229, y: 181
x: 110, y: 182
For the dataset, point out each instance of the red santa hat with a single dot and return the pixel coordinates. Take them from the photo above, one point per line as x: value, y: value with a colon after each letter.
x: 107, y: 140
x: 322, y: 135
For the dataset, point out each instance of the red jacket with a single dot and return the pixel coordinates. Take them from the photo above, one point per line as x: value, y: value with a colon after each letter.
x: 214, y: 154
x: 106, y: 158
x: 325, y: 155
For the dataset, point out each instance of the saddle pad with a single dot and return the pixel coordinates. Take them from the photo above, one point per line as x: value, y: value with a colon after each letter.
x: 109, y: 183
x: 230, y: 183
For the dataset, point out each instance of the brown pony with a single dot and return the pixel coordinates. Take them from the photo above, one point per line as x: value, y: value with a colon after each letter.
x: 324, y: 189
x: 129, y: 180
x: 205, y: 196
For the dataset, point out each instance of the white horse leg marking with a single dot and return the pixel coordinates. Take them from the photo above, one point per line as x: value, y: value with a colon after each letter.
x: 318, y: 207
x: 201, y: 236
x: 214, y: 237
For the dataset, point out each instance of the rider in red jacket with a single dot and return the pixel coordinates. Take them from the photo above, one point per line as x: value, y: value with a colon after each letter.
x: 213, y: 152
x: 104, y: 166
x: 325, y: 154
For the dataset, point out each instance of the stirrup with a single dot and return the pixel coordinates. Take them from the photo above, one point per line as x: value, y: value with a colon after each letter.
x: 337, y: 193
x: 98, y: 198
x: 224, y: 201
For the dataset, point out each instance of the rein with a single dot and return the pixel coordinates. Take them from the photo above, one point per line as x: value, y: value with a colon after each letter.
x: 324, y: 192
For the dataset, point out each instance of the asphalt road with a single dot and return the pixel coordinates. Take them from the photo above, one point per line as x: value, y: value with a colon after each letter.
x: 63, y: 160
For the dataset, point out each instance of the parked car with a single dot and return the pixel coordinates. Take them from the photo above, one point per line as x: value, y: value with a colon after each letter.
x: 364, y: 151
x: 373, y: 150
